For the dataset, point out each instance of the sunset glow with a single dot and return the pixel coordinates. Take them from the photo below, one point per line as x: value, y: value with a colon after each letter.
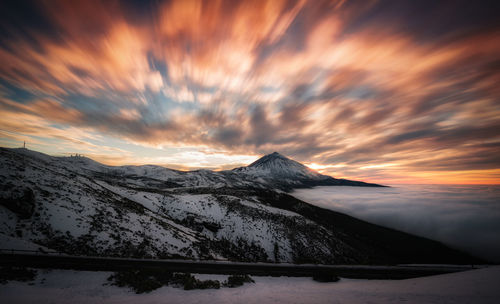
x: 379, y: 91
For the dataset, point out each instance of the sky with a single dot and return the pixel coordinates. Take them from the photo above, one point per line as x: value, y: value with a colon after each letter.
x: 381, y: 91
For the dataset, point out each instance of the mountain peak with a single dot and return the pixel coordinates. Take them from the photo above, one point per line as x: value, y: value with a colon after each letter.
x: 277, y: 165
x: 275, y: 155
x: 269, y: 158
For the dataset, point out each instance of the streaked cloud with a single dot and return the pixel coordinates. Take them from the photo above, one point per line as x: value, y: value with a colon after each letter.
x: 382, y: 91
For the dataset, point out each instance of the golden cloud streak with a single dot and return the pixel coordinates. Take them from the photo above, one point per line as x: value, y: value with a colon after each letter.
x: 250, y: 77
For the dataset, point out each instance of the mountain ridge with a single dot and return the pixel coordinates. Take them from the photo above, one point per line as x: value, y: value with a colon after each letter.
x: 288, y: 174
x: 82, y: 207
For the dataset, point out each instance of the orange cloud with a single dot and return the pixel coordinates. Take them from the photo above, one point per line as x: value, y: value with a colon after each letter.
x: 327, y: 82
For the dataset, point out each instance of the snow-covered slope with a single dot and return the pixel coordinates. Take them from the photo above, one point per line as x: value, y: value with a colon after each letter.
x: 78, y: 206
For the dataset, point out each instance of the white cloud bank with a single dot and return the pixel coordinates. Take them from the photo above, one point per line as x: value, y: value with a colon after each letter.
x: 462, y: 216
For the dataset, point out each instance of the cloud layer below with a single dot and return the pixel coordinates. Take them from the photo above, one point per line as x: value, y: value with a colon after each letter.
x: 382, y: 91
x: 465, y: 217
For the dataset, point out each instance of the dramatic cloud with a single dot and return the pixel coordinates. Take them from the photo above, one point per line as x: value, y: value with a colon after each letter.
x: 375, y: 90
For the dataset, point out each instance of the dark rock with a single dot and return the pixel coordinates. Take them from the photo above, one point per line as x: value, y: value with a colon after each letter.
x: 21, y: 203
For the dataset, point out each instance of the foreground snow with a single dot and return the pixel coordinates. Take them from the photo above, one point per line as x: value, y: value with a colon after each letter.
x: 58, y: 286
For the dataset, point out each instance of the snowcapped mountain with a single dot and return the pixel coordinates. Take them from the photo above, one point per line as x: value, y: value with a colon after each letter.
x: 276, y: 166
x: 283, y: 173
x: 79, y: 206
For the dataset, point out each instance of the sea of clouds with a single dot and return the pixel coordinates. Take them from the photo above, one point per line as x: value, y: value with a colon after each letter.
x: 466, y: 217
